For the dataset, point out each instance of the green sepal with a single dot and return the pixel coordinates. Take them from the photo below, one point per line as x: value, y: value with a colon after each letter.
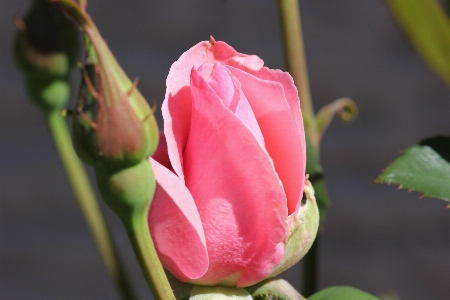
x: 303, y: 231
x: 219, y: 293
x: 83, y: 133
x: 342, y: 293
x: 274, y: 288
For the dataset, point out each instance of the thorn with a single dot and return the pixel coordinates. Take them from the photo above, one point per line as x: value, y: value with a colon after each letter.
x: 399, y: 187
x: 212, y: 41
x: 87, y: 119
x: 20, y: 23
x: 133, y: 86
x: 409, y: 191
x: 89, y: 85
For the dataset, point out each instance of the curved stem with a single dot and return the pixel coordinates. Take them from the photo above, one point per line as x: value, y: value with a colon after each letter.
x: 138, y: 230
x: 289, y: 12
x: 294, y: 49
x: 88, y: 204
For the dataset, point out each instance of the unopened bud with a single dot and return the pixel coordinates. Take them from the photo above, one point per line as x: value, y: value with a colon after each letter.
x: 114, y: 126
x: 45, y: 49
x: 109, y: 128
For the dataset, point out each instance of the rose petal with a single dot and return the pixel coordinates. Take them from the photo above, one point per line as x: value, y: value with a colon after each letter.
x: 284, y: 142
x: 254, y: 274
x: 229, y: 91
x: 176, y: 227
x: 291, y: 93
x: 176, y: 108
x: 237, y: 191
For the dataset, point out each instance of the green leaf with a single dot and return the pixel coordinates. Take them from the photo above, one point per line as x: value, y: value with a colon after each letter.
x: 342, y: 293
x: 423, y: 168
x: 428, y: 29
x: 274, y: 288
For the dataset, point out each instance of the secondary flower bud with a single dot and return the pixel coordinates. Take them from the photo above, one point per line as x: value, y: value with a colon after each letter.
x: 46, y: 47
x: 109, y: 129
x: 114, y: 126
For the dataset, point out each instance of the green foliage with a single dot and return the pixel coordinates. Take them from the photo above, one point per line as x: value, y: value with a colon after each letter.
x: 342, y: 293
x: 423, y: 168
x: 428, y: 29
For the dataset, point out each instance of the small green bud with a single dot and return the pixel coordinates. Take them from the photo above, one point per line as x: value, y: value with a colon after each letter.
x: 45, y: 49
x: 127, y: 190
x: 107, y: 131
x: 114, y: 126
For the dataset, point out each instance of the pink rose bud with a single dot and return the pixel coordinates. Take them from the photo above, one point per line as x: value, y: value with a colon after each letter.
x: 227, y: 208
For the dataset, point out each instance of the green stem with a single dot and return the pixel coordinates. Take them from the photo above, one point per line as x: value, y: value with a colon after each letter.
x: 88, y: 203
x: 289, y: 12
x: 294, y: 51
x: 310, y: 267
x: 141, y: 240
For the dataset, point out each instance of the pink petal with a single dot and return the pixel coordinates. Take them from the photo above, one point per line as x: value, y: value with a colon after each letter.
x: 238, y: 194
x: 176, y: 227
x: 228, y: 89
x: 176, y: 108
x: 279, y: 124
x: 291, y: 93
x: 254, y: 274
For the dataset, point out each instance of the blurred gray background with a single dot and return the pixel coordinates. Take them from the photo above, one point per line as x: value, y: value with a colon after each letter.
x: 378, y: 239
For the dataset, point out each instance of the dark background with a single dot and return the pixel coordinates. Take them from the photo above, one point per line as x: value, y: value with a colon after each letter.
x: 375, y: 238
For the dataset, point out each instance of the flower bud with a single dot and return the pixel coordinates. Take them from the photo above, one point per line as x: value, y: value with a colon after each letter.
x: 45, y: 49
x: 114, y: 126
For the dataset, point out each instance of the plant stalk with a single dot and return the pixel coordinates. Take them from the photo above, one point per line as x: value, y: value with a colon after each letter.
x: 294, y: 53
x: 289, y: 12
x: 138, y: 230
x: 88, y: 204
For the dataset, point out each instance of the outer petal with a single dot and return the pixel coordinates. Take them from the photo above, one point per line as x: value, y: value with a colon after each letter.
x: 291, y: 94
x: 176, y: 227
x: 284, y: 142
x: 237, y: 191
x: 254, y: 274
